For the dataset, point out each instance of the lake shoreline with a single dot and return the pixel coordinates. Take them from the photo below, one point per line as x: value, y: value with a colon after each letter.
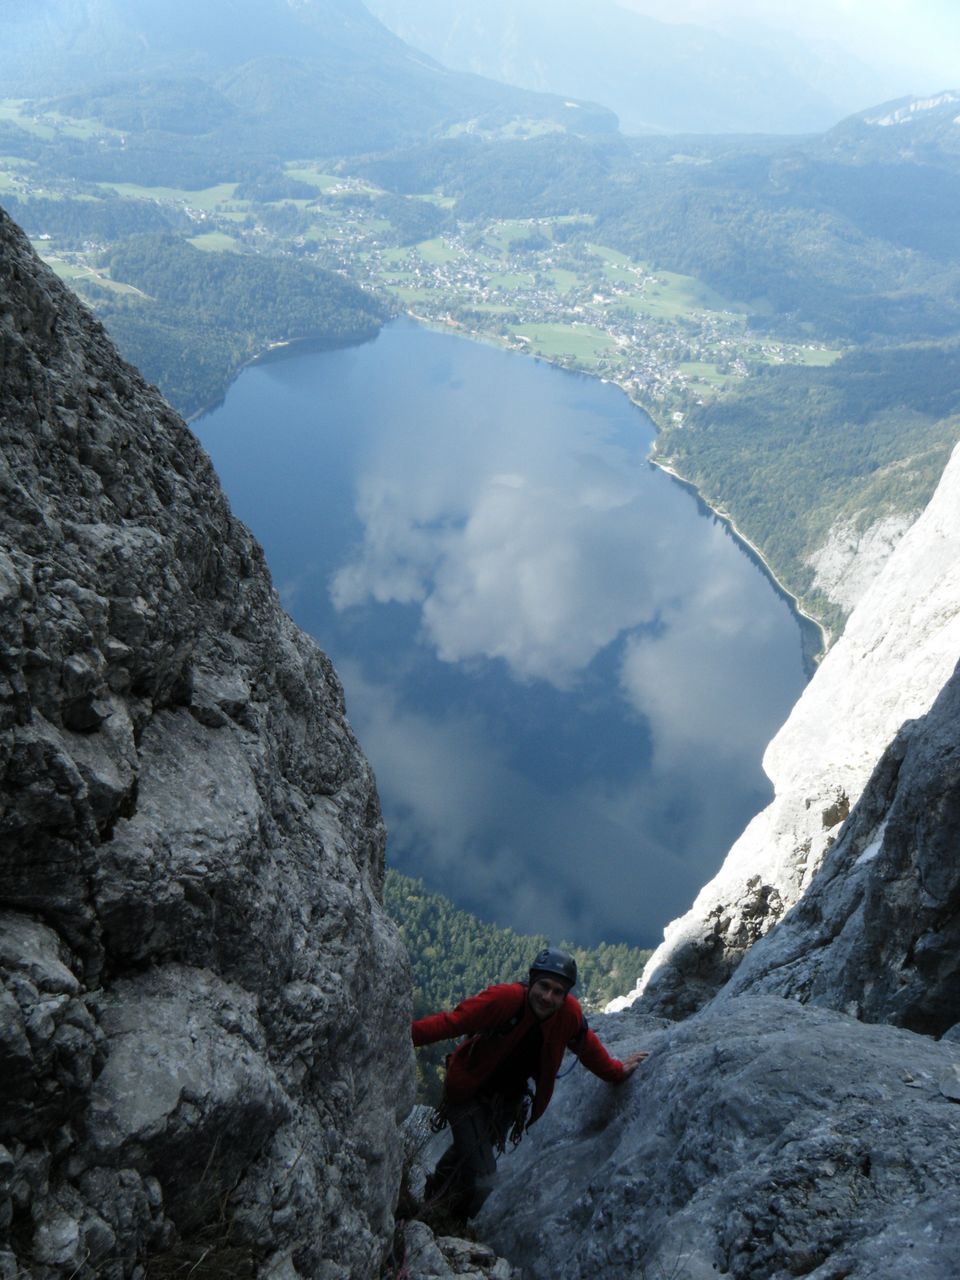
x: 278, y: 350
x: 812, y: 655
x: 756, y: 554
x: 543, y: 642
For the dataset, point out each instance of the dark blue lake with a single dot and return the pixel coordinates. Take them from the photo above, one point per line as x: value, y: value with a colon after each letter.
x: 563, y: 670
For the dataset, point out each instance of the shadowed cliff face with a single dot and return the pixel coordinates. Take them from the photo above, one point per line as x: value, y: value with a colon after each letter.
x: 204, y: 1008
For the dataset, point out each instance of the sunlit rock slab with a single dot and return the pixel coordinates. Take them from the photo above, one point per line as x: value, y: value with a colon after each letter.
x: 761, y: 1139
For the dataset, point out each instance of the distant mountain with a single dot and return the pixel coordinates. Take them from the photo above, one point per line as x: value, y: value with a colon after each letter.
x: 910, y: 130
x: 291, y: 75
x: 853, y: 232
x: 655, y: 75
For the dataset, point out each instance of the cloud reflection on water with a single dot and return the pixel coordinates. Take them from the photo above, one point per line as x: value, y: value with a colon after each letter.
x: 544, y: 548
x: 563, y: 675
x: 530, y: 559
x: 566, y: 862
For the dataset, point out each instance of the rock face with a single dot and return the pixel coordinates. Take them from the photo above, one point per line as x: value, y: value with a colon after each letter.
x: 761, y: 1140
x: 878, y: 932
x: 204, y: 1020
x: 851, y: 557
x: 784, y: 1129
x: 900, y: 645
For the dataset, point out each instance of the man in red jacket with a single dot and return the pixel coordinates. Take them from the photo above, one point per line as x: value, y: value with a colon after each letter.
x: 515, y: 1033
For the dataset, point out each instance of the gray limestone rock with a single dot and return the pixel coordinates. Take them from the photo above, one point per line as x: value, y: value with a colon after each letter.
x: 428, y: 1257
x: 877, y: 934
x: 761, y: 1140
x: 854, y: 552
x: 203, y: 1008
x: 51, y: 1047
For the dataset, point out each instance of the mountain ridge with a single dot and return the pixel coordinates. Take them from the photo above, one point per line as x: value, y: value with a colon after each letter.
x: 657, y: 76
x: 315, y: 76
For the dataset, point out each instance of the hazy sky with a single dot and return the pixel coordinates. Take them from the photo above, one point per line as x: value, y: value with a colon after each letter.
x: 919, y: 38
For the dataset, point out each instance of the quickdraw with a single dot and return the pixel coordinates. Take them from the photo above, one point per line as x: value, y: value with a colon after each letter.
x: 520, y: 1121
x: 439, y: 1120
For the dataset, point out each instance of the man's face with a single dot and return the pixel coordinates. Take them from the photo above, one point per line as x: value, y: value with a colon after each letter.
x: 546, y: 995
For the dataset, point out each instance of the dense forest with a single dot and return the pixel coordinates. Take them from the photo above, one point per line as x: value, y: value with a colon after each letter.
x: 100, y: 218
x: 853, y: 251
x: 454, y: 955
x: 205, y: 314
x: 793, y: 450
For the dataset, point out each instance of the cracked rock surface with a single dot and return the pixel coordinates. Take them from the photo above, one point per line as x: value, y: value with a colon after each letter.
x: 761, y: 1140
x: 878, y: 932
x: 203, y: 1009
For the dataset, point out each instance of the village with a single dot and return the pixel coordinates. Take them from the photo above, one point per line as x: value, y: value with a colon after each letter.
x: 665, y: 338
x: 536, y: 285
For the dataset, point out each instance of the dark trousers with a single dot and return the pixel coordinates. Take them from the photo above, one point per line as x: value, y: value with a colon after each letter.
x: 464, y: 1174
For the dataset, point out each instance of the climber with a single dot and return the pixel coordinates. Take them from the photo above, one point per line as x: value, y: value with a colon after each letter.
x: 516, y: 1032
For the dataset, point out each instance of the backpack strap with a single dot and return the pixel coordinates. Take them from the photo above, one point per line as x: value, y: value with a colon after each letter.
x: 503, y: 1029
x: 575, y: 1044
x: 506, y: 1027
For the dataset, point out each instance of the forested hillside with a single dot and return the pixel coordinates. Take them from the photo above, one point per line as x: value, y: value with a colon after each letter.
x: 200, y: 315
x: 455, y: 955
x: 806, y: 236
x: 847, y: 240
x: 795, y: 451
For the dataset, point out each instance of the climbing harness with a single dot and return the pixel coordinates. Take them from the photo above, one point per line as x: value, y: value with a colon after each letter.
x: 519, y: 1127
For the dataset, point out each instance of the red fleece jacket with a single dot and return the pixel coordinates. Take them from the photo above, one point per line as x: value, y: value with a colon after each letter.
x: 478, y: 1057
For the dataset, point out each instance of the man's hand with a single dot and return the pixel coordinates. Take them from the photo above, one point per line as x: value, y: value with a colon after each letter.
x: 632, y: 1061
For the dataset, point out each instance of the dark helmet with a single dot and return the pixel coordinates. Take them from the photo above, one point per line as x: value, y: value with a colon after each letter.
x: 559, y: 964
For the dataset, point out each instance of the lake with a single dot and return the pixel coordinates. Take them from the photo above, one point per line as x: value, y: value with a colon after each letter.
x: 562, y: 667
